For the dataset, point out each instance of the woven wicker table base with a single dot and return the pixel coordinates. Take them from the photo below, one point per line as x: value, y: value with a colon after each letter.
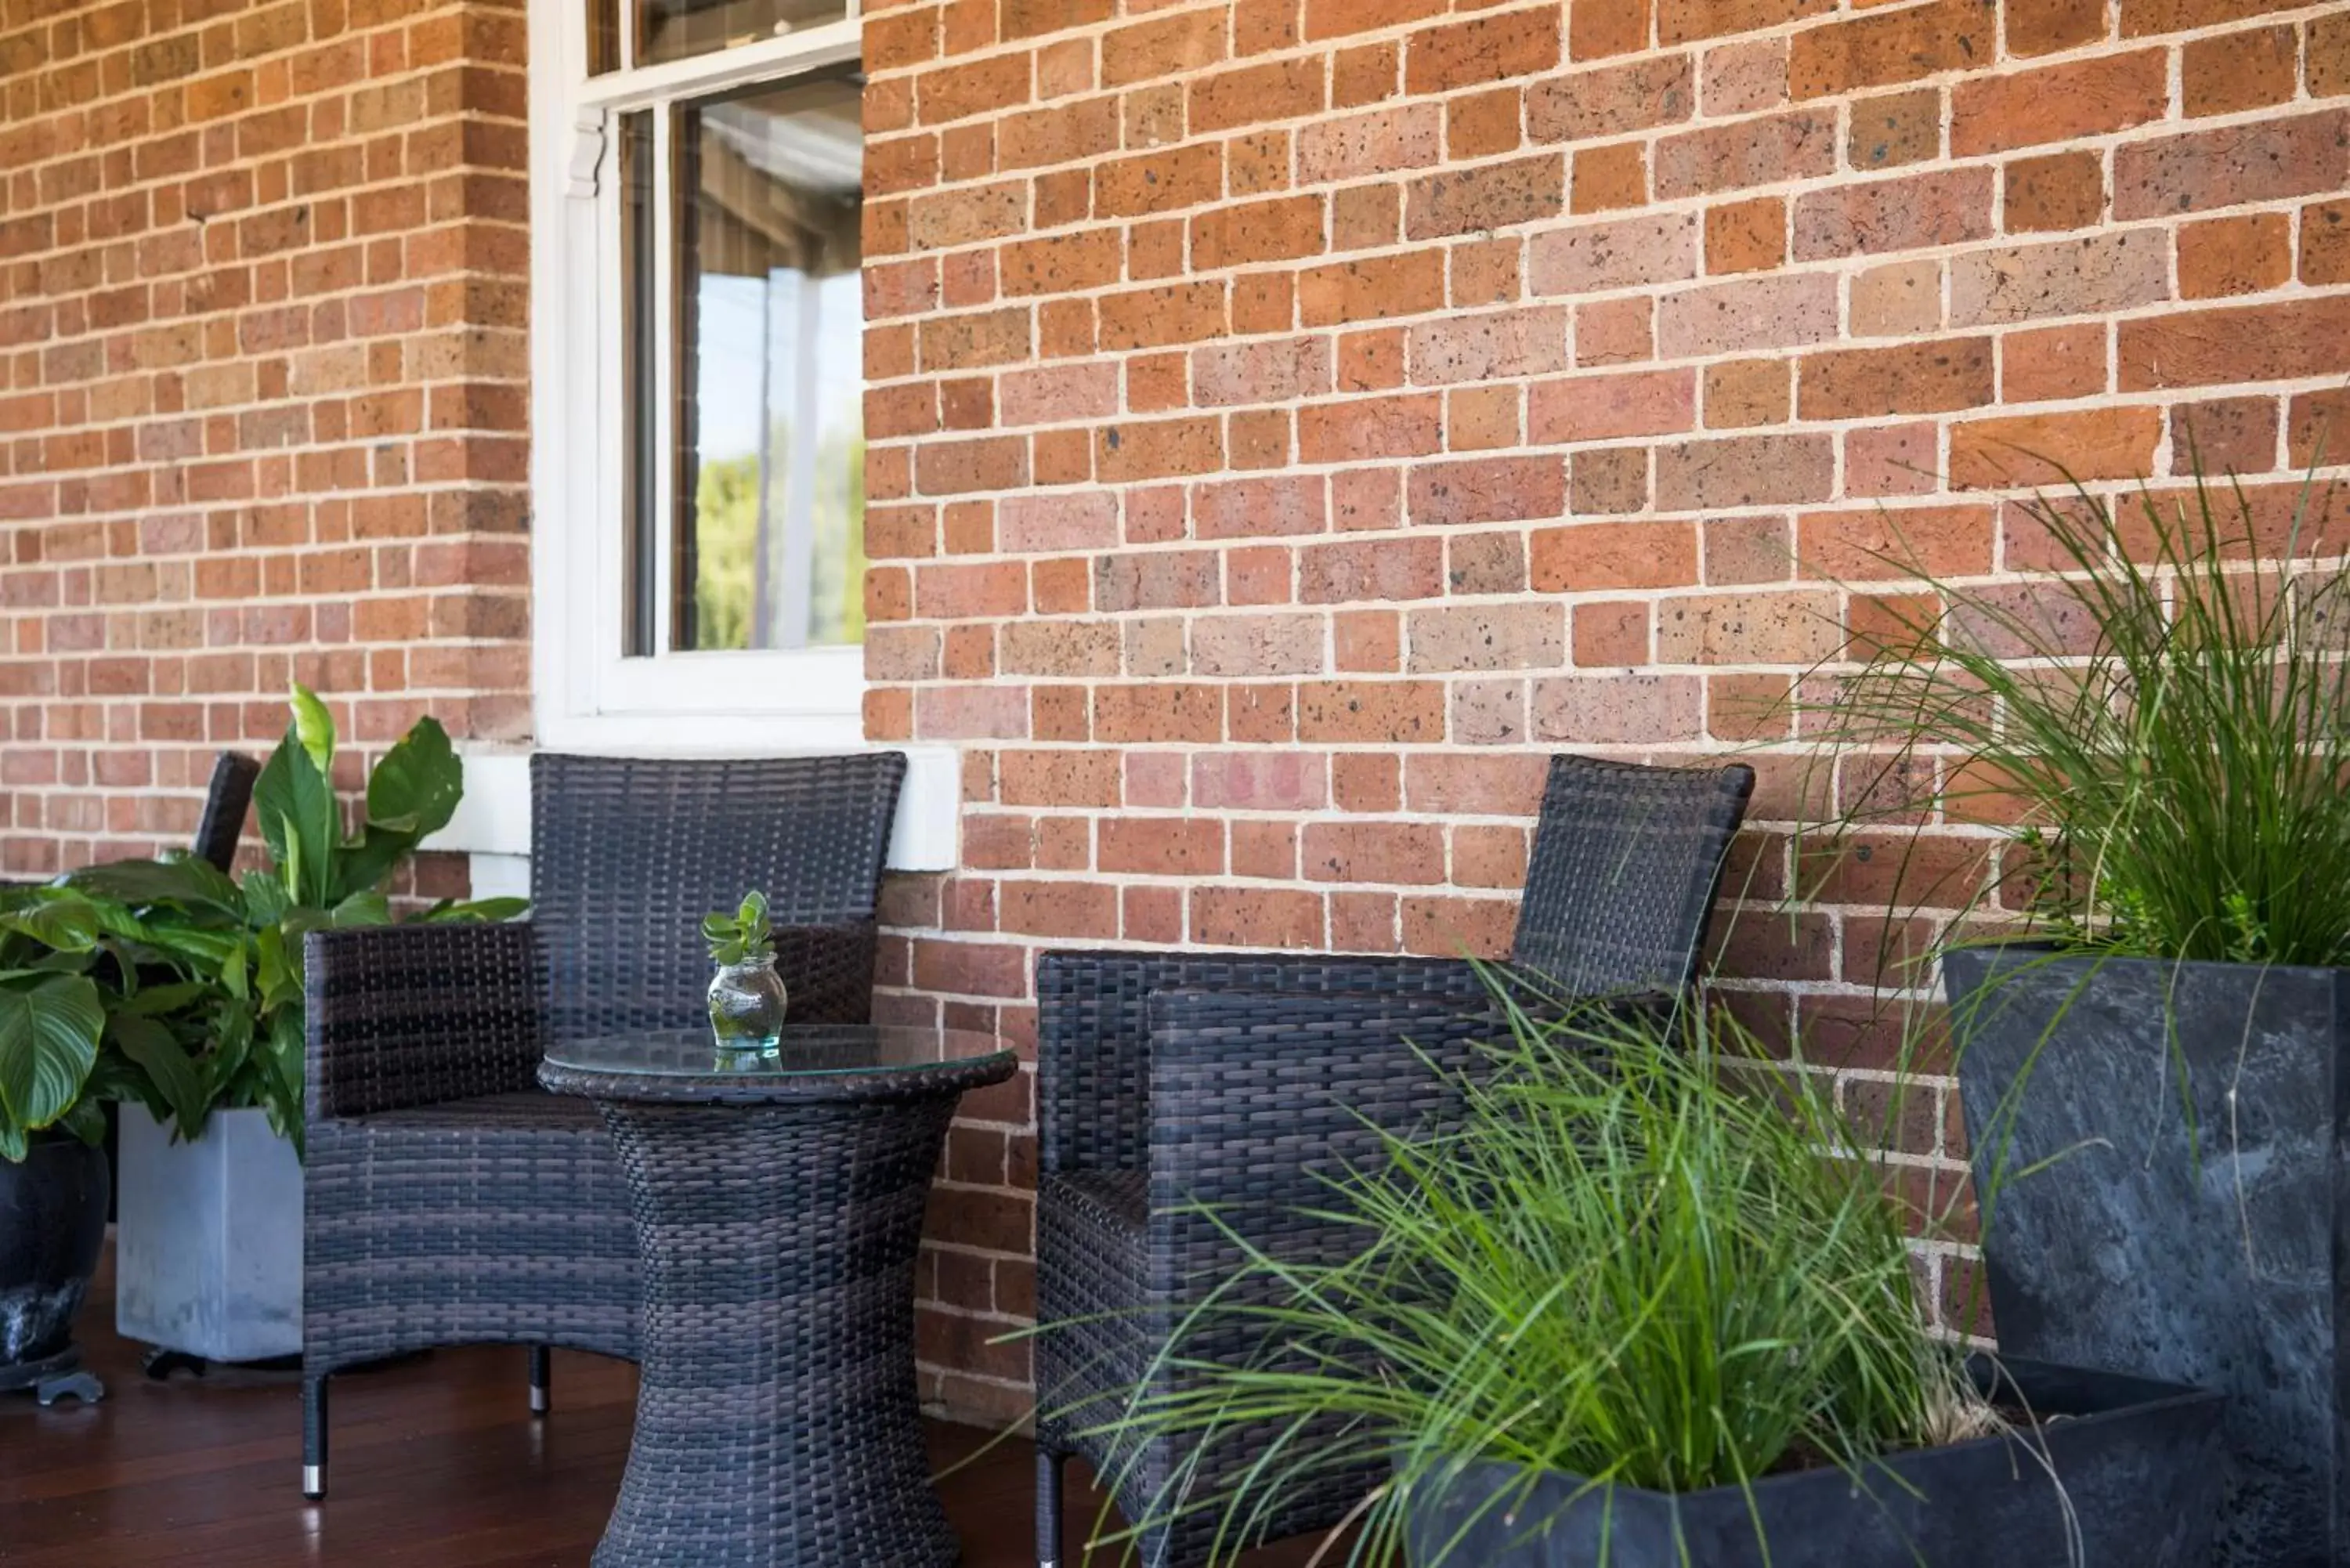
x: 778, y: 1211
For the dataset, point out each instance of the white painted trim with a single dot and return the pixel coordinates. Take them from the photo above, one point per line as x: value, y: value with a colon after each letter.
x: 585, y: 696
x: 493, y: 821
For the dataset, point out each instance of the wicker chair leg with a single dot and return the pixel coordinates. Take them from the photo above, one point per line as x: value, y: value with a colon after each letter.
x: 1048, y: 1507
x: 314, y: 1437
x: 542, y: 1398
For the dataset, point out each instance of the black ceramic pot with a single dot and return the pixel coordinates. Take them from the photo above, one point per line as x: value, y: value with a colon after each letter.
x: 52, y: 1228
x: 2213, y: 1256
x: 2133, y: 1469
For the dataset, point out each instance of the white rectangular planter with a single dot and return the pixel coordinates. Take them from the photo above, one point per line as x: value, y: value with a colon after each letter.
x: 208, y: 1245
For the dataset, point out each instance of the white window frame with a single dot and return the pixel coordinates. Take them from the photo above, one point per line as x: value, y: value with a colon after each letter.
x: 587, y: 695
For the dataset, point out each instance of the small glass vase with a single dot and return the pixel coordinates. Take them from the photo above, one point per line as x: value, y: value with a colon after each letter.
x: 746, y: 1006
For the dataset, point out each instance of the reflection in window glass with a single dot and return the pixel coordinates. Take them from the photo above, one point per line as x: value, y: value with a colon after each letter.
x: 770, y: 423
x: 673, y: 29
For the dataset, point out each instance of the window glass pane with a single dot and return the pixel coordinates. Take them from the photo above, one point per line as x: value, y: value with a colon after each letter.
x: 603, y: 36
x: 770, y: 418
x: 639, y: 317
x: 673, y: 29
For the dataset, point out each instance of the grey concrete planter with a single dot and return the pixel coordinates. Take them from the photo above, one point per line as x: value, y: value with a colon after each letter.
x: 2214, y: 1257
x: 208, y: 1248
x: 2131, y: 1470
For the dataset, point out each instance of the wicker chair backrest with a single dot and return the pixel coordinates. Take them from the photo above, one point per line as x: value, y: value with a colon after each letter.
x: 1626, y: 860
x: 628, y: 854
x: 226, y: 802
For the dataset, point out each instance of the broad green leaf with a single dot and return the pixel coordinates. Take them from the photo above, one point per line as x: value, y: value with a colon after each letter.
x: 314, y: 728
x: 151, y: 1047
x: 154, y: 1000
x: 85, y: 1121
x: 49, y: 1028
x: 414, y: 790
x: 366, y: 864
x: 70, y: 922
x: 298, y: 821
x: 180, y: 880
x: 265, y: 899
x: 367, y: 907
x: 282, y: 1093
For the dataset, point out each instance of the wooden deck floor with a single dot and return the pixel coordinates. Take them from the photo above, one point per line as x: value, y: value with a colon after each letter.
x: 436, y: 1464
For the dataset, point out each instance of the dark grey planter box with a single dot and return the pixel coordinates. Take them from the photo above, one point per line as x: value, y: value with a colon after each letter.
x: 2136, y: 1467
x: 2213, y: 1258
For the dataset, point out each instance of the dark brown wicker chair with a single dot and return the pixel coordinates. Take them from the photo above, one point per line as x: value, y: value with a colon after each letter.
x: 448, y: 1199
x: 1171, y: 1081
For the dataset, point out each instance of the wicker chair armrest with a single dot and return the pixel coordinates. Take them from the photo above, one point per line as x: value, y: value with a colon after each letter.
x: 400, y: 1016
x: 1261, y: 1098
x: 1094, y: 1039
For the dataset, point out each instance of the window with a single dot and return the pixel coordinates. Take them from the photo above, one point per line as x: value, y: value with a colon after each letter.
x: 697, y: 353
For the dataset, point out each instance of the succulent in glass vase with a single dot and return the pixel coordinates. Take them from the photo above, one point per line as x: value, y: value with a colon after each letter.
x: 746, y: 995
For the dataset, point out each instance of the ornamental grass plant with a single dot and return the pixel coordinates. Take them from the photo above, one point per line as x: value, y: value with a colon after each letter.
x: 1638, y: 1257
x: 2153, y: 727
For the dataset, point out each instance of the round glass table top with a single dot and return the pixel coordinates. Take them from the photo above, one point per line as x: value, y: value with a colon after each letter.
x: 817, y: 1061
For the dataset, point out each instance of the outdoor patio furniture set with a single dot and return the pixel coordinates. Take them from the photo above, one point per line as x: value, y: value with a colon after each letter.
x: 766, y: 1283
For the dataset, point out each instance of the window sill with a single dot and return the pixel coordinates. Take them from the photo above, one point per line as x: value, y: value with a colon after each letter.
x: 493, y: 817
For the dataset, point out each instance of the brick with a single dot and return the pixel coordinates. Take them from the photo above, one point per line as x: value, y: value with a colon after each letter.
x: 1383, y: 141
x: 1746, y: 236
x: 1895, y: 129
x: 1744, y: 471
x: 1488, y: 490
x: 1639, y: 710
x: 2327, y: 66
x: 1611, y: 406
x: 2042, y: 450
x: 1742, y: 393
x: 2244, y: 255
x: 1882, y: 48
x: 2105, y: 272
x: 1280, y: 90
x: 1690, y: 21
x: 2244, y: 343
x: 1876, y: 542
x: 1158, y: 182
x: 1776, y: 312
x: 2206, y: 169
x: 1478, y: 347
x: 1390, y: 712
x: 1370, y: 570
x: 2061, y: 191
x: 2325, y: 242
x: 2140, y: 17
x: 1588, y: 557
x: 1379, y: 852
x: 1939, y: 376
x: 1796, y: 628
x: 2059, y: 103
x: 1793, y: 146
x: 2239, y: 71
x: 2045, y: 26
x: 2054, y: 362
x: 2224, y: 435
x: 1908, y: 212
x: 1605, y: 481
x: 1625, y: 253
x: 1488, y: 48
x: 1491, y: 196
x: 1608, y: 179
x: 1897, y: 299
x: 1360, y: 429
x: 1371, y: 288
x: 1614, y: 100
x: 1255, y: 918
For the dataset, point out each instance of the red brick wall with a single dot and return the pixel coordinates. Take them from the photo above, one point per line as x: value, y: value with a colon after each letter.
x: 1291, y: 418
x: 262, y: 379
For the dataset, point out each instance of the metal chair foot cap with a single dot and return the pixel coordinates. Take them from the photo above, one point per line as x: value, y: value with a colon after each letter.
x: 314, y: 1481
x: 539, y: 1402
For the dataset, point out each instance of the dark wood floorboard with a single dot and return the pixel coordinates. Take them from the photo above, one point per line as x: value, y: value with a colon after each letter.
x: 436, y: 1464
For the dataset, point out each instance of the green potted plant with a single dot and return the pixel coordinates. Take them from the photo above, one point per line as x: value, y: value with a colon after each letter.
x: 2149, y: 740
x: 1640, y: 1307
x: 747, y: 999
x: 53, y: 1175
x: 209, y: 1057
